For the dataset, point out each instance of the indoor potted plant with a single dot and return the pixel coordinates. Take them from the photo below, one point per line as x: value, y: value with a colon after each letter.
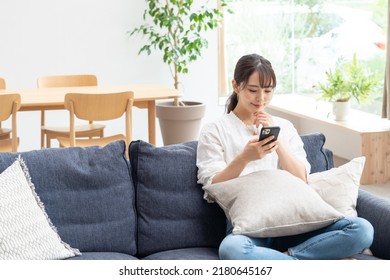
x: 176, y: 28
x: 346, y: 81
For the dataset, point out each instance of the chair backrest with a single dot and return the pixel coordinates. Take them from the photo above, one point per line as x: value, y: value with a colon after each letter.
x: 63, y: 81
x: 2, y: 83
x: 2, y: 86
x: 67, y: 81
x: 99, y: 107
x: 9, y: 105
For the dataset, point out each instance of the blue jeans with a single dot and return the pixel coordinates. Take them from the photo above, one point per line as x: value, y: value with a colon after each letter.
x: 344, y: 238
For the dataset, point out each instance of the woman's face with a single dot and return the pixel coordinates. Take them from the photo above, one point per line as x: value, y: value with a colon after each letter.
x: 252, y: 97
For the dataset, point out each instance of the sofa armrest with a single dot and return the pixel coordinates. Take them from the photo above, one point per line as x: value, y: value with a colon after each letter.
x: 377, y: 211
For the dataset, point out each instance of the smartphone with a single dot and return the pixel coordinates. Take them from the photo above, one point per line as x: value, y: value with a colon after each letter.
x: 268, y: 131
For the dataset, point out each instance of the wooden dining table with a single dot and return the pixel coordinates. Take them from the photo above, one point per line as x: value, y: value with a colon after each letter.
x: 145, y: 97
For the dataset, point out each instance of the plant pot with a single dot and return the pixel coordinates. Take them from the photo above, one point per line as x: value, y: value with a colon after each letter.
x: 341, y: 110
x: 180, y: 124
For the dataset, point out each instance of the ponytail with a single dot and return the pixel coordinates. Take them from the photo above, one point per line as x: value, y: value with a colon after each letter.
x: 231, y: 103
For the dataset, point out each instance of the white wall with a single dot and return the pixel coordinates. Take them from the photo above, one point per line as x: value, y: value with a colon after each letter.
x: 55, y: 37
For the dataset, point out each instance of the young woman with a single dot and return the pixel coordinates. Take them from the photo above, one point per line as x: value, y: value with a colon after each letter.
x: 229, y: 147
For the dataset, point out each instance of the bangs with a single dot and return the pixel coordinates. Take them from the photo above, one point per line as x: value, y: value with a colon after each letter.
x: 267, y: 77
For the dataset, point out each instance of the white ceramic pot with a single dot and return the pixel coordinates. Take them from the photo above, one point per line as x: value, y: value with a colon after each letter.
x: 341, y: 110
x: 180, y: 124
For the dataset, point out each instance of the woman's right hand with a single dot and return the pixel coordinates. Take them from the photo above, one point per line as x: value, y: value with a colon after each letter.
x: 253, y: 150
x: 256, y: 149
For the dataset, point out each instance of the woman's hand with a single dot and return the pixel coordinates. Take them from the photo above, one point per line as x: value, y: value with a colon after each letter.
x: 256, y: 149
x: 263, y: 118
x: 253, y: 150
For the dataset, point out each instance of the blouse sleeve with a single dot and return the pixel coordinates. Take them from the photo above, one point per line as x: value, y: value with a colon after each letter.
x: 210, y: 155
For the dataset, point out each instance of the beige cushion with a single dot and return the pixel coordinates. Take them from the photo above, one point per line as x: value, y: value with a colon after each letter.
x: 339, y: 186
x: 271, y: 203
x: 26, y: 232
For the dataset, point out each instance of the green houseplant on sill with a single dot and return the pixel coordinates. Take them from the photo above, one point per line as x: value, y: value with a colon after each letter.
x: 349, y: 80
x: 177, y: 30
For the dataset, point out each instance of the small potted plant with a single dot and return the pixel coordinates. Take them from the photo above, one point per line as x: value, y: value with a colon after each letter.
x: 176, y: 28
x: 348, y: 80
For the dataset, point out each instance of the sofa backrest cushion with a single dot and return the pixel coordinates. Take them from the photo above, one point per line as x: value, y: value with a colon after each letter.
x: 87, y: 193
x: 320, y: 158
x: 171, y: 210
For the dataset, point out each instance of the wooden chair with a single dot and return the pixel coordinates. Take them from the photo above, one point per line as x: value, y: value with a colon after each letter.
x: 5, y: 133
x: 87, y: 131
x: 2, y: 83
x: 98, y: 107
x: 9, y: 105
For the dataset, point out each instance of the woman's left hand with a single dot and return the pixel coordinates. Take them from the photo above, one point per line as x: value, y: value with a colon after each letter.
x: 262, y: 118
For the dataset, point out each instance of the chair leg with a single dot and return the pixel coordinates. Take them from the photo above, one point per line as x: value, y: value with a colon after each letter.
x: 48, y: 141
x: 43, y: 133
x: 42, y: 139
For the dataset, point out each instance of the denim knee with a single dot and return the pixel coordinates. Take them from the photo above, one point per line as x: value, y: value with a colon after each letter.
x: 241, y: 247
x: 365, y: 232
x: 232, y: 246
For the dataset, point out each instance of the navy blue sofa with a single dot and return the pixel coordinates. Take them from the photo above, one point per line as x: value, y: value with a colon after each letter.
x: 150, y: 207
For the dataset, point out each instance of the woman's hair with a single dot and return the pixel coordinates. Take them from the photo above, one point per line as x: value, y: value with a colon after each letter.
x: 245, y: 67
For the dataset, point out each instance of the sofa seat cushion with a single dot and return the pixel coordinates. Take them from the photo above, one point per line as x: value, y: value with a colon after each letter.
x: 103, y: 256
x: 186, y: 254
x: 365, y: 257
x: 171, y: 211
x: 87, y: 194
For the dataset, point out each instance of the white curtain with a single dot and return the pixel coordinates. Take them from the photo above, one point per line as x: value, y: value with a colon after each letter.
x: 386, y: 88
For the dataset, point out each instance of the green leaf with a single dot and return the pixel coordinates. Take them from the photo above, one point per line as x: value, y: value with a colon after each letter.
x: 193, y: 17
x: 177, y: 28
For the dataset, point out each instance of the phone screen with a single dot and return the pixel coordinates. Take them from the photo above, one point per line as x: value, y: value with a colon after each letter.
x: 267, y: 131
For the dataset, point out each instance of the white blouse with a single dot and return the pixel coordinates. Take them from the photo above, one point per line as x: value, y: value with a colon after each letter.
x: 220, y: 141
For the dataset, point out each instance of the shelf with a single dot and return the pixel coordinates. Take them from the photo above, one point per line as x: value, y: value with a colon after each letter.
x: 309, y: 108
x: 363, y: 134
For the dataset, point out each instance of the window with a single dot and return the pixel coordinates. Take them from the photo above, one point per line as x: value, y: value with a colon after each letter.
x: 305, y: 38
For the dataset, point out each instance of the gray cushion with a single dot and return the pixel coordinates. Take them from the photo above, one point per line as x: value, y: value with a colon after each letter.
x: 171, y: 210
x: 87, y: 193
x: 271, y: 203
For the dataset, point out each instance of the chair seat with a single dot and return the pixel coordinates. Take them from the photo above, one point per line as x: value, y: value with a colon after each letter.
x: 65, y: 142
x: 81, y: 130
x: 6, y: 145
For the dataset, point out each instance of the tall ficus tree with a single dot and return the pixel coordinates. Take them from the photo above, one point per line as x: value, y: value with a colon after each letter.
x: 177, y: 28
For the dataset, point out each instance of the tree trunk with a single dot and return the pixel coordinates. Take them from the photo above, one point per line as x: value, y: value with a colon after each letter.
x: 176, y: 101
